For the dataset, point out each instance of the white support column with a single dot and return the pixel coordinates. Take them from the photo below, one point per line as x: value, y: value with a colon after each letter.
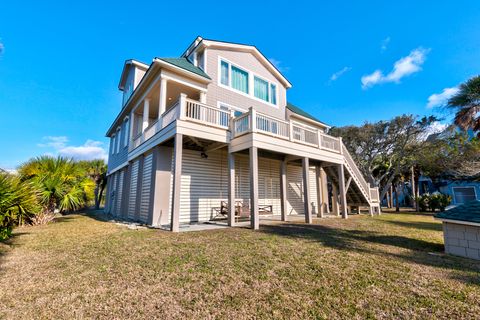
x: 132, y: 120
x: 343, y: 194
x: 254, y: 218
x: 253, y: 119
x: 325, y: 203
x: 162, y: 101
x: 306, y: 190
x: 318, y: 182
x: 183, y: 106
x: 335, y: 205
x: 146, y: 111
x: 283, y: 189
x: 231, y: 189
x: 203, y: 97
x: 177, y: 177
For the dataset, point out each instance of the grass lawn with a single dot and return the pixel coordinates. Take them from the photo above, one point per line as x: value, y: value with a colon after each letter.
x: 390, y: 266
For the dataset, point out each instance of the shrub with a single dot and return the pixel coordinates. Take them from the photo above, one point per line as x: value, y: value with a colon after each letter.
x: 434, y: 201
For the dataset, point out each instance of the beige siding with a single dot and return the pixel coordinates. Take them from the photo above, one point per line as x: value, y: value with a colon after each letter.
x: 204, y: 185
x: 132, y: 198
x: 144, y: 210
x: 294, y: 190
x: 269, y: 184
x: 248, y: 62
x: 119, y: 194
x: 113, y: 193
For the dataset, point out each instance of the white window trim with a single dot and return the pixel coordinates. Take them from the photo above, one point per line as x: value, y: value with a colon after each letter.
x: 119, y: 139
x: 251, y: 76
x: 126, y: 122
x: 113, y: 144
x: 459, y: 187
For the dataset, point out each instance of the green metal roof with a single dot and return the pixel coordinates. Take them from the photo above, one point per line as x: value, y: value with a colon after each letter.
x: 469, y: 212
x: 187, y: 65
x: 302, y: 113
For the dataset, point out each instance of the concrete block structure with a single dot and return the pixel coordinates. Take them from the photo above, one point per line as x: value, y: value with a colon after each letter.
x: 210, y: 136
x: 461, y: 230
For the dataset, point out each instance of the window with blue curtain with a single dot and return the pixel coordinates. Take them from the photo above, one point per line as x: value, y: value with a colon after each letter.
x: 239, y: 79
x: 260, y: 89
x: 224, y: 73
x: 273, y: 94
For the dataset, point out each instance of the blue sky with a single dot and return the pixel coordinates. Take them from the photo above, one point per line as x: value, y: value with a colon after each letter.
x: 348, y: 61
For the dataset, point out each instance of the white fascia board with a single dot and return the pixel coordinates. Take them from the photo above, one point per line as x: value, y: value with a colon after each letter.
x: 248, y: 48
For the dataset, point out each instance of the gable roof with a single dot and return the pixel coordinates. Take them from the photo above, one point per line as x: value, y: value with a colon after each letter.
x: 469, y: 212
x: 185, y: 64
x: 199, y: 41
x: 303, y: 113
x: 126, y: 68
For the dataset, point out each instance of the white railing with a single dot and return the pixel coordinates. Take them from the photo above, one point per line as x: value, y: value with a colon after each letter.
x: 357, y: 175
x: 206, y: 114
x: 171, y: 114
x: 241, y: 124
x: 374, y: 195
x: 329, y: 142
x: 304, y: 134
x: 272, y: 126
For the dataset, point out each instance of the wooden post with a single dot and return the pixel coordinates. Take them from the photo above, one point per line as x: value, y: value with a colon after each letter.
x: 343, y: 194
x: 283, y: 189
x: 231, y: 189
x: 254, y: 218
x: 318, y: 182
x: 146, y: 111
x: 177, y: 178
x: 306, y: 190
x: 162, y: 100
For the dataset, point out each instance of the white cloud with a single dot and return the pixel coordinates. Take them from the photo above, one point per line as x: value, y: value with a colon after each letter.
x: 339, y: 73
x: 57, y: 142
x: 402, y: 68
x: 385, y: 43
x: 278, y: 65
x: 2, y: 47
x: 440, y: 99
x: 88, y: 151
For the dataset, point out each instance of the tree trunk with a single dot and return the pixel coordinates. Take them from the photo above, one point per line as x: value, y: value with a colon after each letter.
x: 96, y: 193
x: 397, y: 204
x: 100, y: 195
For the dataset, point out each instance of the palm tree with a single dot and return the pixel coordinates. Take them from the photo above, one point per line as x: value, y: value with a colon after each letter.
x: 18, y: 202
x: 97, y: 171
x: 63, y: 184
x: 467, y: 103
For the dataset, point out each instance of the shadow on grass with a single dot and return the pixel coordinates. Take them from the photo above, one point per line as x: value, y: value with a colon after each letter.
x: 431, y: 226
x: 422, y: 252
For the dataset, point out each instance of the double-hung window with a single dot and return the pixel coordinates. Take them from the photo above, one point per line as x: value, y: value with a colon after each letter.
x: 233, y: 77
x: 273, y: 94
x: 239, y: 79
x: 261, y: 89
x: 265, y: 90
x: 225, y: 73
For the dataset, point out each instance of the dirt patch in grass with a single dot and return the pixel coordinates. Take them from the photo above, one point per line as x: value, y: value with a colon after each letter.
x: 390, y: 266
